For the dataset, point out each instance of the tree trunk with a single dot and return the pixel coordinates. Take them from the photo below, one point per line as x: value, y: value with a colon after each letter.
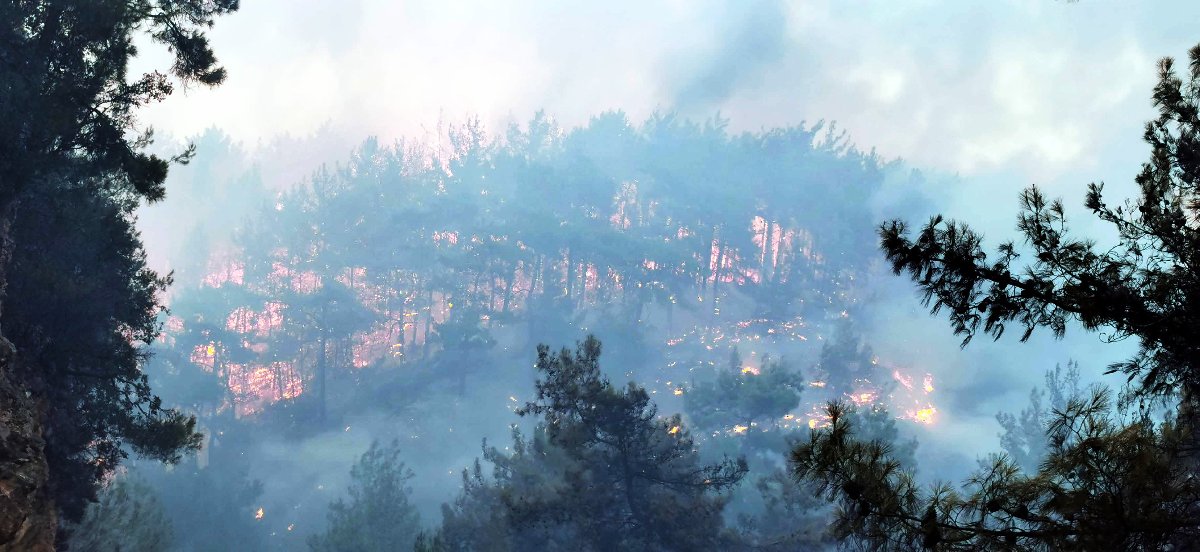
x: 536, y: 278
x: 712, y: 308
x: 569, y: 273
x: 321, y: 354
x: 27, y: 517
x: 767, y: 256
x: 7, y: 214
x: 508, y: 291
x: 428, y: 325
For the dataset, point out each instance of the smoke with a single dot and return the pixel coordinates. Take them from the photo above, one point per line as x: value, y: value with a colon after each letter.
x: 751, y: 37
x: 984, y: 99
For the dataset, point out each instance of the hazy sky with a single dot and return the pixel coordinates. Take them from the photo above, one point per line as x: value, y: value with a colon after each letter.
x: 1037, y: 88
x: 999, y: 93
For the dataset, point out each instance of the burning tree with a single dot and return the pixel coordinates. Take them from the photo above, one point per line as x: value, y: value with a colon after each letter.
x: 330, y: 313
x: 611, y: 227
x: 1109, y: 481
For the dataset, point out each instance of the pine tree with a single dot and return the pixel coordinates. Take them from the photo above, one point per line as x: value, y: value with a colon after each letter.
x: 378, y: 516
x: 1110, y: 479
x: 464, y: 343
x: 69, y: 140
x: 743, y: 397
x: 80, y: 254
x: 68, y: 104
x: 847, y: 362
x: 602, y: 472
x: 128, y: 516
x: 1024, y: 438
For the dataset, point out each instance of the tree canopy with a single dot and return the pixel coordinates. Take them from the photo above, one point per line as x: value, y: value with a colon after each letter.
x: 378, y: 516
x: 1109, y: 479
x: 602, y: 471
x: 84, y: 307
x: 74, y: 163
x: 68, y: 104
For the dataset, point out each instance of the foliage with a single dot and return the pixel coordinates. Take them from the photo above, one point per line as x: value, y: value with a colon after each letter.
x: 209, y: 490
x: 1101, y: 486
x: 602, y: 472
x: 744, y: 395
x: 67, y: 108
x: 789, y: 514
x: 378, y: 516
x: 73, y: 157
x: 605, y: 228
x: 128, y: 516
x: 846, y: 360
x: 1145, y: 286
x: 1024, y: 437
x: 83, y: 307
x: 490, y: 515
x: 793, y: 517
x: 464, y: 343
x: 875, y: 423
x: 1107, y: 481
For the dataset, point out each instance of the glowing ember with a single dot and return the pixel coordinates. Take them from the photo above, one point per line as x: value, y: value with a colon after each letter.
x: 919, y: 409
x: 678, y: 392
x: 751, y: 370
x: 223, y: 271
x: 673, y: 430
x: 863, y: 398
x: 740, y: 429
x: 923, y: 416
x: 258, y: 514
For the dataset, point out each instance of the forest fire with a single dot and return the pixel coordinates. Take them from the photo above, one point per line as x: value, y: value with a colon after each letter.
x: 818, y: 417
x: 405, y: 322
x: 923, y: 415
x: 865, y: 398
x: 916, y: 400
x: 582, y: 331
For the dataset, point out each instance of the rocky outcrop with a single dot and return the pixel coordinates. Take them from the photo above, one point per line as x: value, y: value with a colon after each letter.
x: 27, y: 518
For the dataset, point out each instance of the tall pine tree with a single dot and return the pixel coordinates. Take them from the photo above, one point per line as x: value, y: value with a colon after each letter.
x: 1108, y: 480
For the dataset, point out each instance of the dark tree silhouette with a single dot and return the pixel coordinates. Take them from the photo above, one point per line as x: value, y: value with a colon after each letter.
x: 378, y: 516
x: 70, y: 143
x: 743, y: 396
x: 68, y: 104
x: 83, y: 308
x: 1108, y: 481
x: 602, y: 472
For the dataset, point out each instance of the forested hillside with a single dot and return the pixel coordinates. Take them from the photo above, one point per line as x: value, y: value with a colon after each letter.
x: 642, y: 293
x: 413, y: 279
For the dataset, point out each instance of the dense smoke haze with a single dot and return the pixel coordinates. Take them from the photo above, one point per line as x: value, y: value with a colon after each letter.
x: 971, y: 102
x: 392, y: 205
